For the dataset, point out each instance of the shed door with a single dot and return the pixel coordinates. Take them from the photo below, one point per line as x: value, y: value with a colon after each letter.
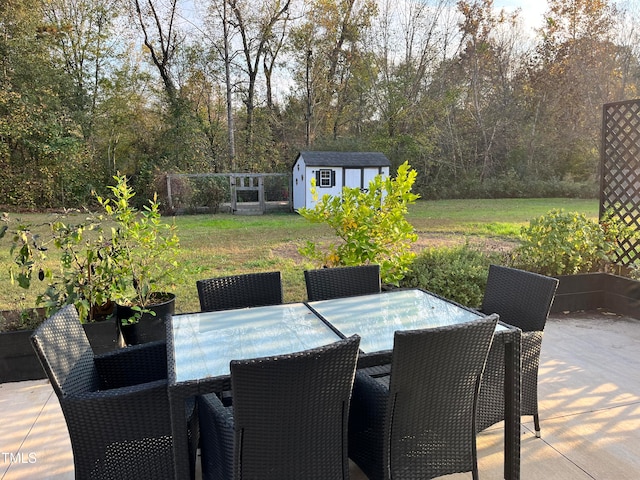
x: 353, y: 177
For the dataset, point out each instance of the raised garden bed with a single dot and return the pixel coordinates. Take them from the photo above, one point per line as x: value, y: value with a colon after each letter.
x: 19, y: 362
x: 590, y: 291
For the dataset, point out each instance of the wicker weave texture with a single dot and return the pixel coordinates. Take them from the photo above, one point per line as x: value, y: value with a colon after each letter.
x: 327, y: 283
x: 240, y: 291
x: 289, y: 419
x: 116, y: 433
x: 419, y: 423
x: 522, y: 299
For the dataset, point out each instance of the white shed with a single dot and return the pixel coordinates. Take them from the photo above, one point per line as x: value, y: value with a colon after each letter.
x: 332, y: 171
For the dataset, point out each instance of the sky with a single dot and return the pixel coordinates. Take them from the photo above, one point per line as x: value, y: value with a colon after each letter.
x: 532, y: 10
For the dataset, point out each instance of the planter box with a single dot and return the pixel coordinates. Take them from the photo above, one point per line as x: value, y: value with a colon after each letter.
x: 590, y: 291
x: 18, y: 360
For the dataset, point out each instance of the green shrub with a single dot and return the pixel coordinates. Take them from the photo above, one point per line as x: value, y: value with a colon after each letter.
x: 566, y: 243
x: 370, y: 225
x: 456, y: 273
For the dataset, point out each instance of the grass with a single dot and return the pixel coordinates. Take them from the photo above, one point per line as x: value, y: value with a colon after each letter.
x: 217, y: 245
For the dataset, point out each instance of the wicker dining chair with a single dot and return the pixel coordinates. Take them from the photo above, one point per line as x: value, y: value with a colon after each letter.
x: 419, y: 422
x: 240, y: 291
x: 522, y: 299
x: 327, y: 283
x: 115, y: 405
x: 289, y: 418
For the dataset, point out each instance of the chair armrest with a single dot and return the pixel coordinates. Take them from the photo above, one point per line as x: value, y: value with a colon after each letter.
x: 217, y: 435
x: 119, y: 392
x: 368, y: 403
x: 120, y: 416
x: 133, y: 365
x: 211, y: 406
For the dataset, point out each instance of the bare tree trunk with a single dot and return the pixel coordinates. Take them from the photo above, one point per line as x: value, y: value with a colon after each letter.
x: 309, y: 113
x: 227, y: 73
x: 161, y: 55
x: 252, y: 64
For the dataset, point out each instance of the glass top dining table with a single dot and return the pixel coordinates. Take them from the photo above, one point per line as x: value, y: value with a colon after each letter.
x: 377, y: 317
x: 204, y: 343
x: 201, y: 345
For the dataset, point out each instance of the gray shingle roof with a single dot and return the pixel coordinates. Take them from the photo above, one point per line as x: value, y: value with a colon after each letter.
x: 345, y: 159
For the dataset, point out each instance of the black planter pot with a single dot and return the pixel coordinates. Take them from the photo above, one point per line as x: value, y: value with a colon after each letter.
x: 150, y: 327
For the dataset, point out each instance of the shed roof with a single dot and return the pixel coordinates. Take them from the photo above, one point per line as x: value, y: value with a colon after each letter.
x: 345, y: 159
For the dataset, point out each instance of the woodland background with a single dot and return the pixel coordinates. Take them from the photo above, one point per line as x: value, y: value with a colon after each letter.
x: 479, y: 103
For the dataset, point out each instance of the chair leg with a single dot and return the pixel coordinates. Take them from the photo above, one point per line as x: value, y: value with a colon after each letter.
x: 536, y: 423
x: 474, y: 472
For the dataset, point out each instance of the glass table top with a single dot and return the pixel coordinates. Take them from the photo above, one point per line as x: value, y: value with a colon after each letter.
x: 204, y: 343
x: 376, y: 317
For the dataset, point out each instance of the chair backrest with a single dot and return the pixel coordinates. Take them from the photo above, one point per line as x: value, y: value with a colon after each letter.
x: 327, y: 283
x: 240, y: 291
x: 522, y: 299
x: 66, y: 354
x: 433, y: 389
x: 291, y: 413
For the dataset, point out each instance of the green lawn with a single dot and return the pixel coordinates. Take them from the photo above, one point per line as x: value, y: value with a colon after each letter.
x: 216, y: 245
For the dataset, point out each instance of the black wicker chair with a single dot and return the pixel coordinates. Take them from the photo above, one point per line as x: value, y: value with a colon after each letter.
x: 522, y: 299
x: 327, y: 283
x: 240, y: 291
x: 419, y: 422
x: 289, y: 419
x: 116, y: 405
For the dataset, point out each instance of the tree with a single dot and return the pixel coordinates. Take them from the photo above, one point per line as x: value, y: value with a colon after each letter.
x: 370, y: 225
x: 485, y: 67
x: 332, y: 68
x: 161, y: 39
x: 576, y: 70
x: 256, y: 26
x: 83, y: 41
x: 37, y: 132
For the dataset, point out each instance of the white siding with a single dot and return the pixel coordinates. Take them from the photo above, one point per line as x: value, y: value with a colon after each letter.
x: 300, y: 184
x: 350, y: 177
x: 335, y: 190
x: 353, y: 177
x: 370, y: 173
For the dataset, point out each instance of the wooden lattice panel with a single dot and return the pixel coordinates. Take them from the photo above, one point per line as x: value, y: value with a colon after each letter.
x: 620, y: 157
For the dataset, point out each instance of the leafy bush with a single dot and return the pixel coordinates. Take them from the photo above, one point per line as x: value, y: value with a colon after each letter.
x: 505, y: 186
x: 370, y: 225
x: 121, y: 255
x: 457, y: 273
x: 566, y: 243
x: 84, y: 274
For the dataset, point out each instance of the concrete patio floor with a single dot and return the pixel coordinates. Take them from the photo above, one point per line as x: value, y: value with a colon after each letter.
x: 589, y: 409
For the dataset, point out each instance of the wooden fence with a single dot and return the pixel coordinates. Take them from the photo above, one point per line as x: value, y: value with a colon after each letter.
x: 238, y: 193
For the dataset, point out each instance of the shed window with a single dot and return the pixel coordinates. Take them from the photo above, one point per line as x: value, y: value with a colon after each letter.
x: 325, y: 178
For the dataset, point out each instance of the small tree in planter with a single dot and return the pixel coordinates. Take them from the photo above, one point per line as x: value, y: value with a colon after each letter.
x: 144, y: 253
x: 122, y: 255
x: 145, y: 248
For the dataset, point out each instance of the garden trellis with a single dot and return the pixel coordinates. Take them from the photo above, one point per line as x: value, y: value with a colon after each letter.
x: 620, y: 171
